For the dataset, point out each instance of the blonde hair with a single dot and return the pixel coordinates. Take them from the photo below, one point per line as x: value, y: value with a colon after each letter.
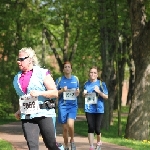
x: 31, y: 53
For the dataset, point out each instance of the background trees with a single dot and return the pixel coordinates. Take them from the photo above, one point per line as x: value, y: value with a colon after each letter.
x: 108, y: 34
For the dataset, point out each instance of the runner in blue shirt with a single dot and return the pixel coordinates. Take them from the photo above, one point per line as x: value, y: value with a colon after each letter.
x: 68, y: 90
x: 95, y: 91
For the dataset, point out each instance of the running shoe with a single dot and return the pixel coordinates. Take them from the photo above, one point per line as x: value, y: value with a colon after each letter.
x: 98, y: 147
x: 60, y: 146
x: 73, y: 146
x: 91, y: 148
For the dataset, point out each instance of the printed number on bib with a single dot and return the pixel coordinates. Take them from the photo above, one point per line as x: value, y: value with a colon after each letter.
x: 69, y: 95
x: 90, y: 98
x: 28, y: 104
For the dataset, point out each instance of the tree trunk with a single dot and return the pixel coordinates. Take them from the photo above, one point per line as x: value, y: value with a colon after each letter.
x: 131, y: 81
x: 120, y: 65
x: 108, y: 46
x: 138, y: 119
x: 68, y: 51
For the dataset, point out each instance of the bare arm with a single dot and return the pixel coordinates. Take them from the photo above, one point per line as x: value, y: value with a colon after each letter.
x: 77, y: 92
x: 51, y: 92
x: 84, y: 93
x: 62, y: 90
x: 103, y: 95
x: 17, y: 114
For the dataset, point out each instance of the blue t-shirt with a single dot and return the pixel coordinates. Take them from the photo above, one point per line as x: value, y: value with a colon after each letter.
x: 99, y: 107
x: 71, y: 83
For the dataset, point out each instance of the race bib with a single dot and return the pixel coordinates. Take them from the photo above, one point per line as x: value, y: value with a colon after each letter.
x: 90, y: 98
x: 28, y: 104
x: 69, y: 95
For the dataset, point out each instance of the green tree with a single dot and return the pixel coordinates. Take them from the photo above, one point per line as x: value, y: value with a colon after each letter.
x: 17, y: 31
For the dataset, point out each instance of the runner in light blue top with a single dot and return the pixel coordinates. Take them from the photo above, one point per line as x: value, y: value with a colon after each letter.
x: 68, y: 90
x: 34, y: 88
x: 95, y: 91
x: 36, y: 83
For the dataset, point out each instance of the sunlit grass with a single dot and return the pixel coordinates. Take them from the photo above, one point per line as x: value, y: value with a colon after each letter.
x: 4, y: 145
x: 111, y: 135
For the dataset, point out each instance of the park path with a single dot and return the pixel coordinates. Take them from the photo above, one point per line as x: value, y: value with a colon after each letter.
x: 13, y: 133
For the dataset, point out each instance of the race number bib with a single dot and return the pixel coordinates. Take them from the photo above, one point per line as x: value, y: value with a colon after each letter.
x: 69, y: 95
x: 28, y: 104
x: 90, y: 98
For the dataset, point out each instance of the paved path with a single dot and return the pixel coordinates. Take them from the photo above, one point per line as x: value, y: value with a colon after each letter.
x: 13, y: 133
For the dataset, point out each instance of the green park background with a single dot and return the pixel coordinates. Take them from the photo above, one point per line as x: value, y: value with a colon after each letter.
x: 113, y: 35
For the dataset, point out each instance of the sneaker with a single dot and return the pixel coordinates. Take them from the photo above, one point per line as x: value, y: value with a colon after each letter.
x: 73, y: 147
x: 60, y: 146
x: 98, y: 147
x: 91, y: 148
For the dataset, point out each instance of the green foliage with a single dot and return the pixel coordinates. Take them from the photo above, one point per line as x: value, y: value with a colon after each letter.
x: 8, y: 119
x: 81, y: 111
x: 147, y: 8
x: 5, y: 109
x: 4, y: 145
x: 22, y: 23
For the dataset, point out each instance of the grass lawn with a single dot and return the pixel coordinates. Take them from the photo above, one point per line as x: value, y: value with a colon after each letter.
x: 4, y: 145
x: 111, y: 135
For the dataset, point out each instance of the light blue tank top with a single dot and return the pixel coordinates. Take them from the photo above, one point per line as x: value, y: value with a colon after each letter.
x: 36, y: 83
